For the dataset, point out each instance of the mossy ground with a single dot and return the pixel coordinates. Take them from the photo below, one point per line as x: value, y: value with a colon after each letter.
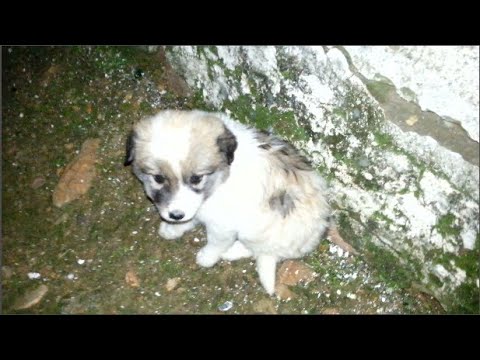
x: 54, y: 98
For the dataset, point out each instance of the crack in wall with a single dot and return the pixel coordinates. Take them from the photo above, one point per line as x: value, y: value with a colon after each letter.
x: 410, y: 117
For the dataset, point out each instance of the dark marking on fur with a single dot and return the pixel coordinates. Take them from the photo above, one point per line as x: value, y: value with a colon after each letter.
x: 292, y: 159
x: 162, y: 196
x: 158, y: 196
x: 295, y: 175
x: 130, y: 147
x: 227, y: 143
x: 289, y: 158
x: 163, y: 168
x: 167, y: 190
x: 282, y: 202
x: 213, y: 179
x: 265, y: 146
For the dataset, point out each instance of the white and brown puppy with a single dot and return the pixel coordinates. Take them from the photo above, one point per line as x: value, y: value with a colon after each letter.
x: 255, y: 194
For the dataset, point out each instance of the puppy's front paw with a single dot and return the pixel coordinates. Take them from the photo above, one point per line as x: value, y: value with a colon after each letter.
x: 169, y: 231
x: 207, y: 257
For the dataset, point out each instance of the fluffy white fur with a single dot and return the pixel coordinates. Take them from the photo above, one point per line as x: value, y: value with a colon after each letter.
x: 239, y: 217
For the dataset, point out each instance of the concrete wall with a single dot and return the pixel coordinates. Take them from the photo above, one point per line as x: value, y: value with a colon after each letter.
x: 394, y: 130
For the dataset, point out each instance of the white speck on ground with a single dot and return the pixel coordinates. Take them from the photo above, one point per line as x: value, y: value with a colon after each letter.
x: 80, y: 261
x: 34, y: 275
x: 70, y: 276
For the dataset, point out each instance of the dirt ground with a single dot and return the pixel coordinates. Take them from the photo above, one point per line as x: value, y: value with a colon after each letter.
x: 101, y: 254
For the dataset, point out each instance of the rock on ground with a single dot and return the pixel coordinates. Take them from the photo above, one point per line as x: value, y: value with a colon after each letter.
x: 30, y: 298
x: 78, y: 175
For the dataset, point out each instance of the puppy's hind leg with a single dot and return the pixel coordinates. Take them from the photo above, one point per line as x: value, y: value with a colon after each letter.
x: 236, y: 251
x: 266, y: 266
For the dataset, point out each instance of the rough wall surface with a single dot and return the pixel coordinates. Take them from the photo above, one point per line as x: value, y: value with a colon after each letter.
x: 394, y: 130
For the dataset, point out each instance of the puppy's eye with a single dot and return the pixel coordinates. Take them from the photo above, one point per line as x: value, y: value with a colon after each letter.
x: 196, y: 179
x: 159, y: 179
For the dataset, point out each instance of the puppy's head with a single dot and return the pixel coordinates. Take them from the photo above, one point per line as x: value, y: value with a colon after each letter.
x: 180, y: 157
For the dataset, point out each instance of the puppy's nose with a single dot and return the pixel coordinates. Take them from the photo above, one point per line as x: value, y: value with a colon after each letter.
x: 176, y: 215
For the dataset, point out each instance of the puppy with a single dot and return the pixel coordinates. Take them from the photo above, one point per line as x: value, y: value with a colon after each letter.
x: 254, y: 193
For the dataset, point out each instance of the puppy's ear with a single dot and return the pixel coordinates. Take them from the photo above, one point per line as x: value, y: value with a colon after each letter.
x: 227, y: 143
x: 130, y: 149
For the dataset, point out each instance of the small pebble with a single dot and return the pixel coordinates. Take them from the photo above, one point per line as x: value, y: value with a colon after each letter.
x: 172, y: 284
x: 227, y: 305
x: 38, y: 182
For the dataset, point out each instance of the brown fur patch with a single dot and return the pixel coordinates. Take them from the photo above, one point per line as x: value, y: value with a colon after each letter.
x: 211, y: 147
x: 159, y: 167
